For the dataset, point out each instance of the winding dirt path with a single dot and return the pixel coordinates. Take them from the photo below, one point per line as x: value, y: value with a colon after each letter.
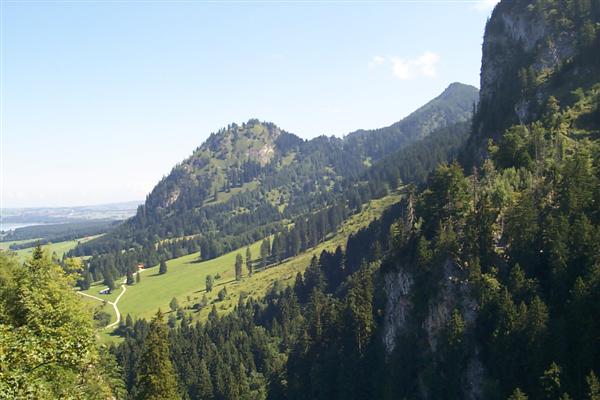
x: 112, y: 303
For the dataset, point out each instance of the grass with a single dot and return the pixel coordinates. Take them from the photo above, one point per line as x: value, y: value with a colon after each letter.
x: 95, y: 289
x: 60, y: 248
x: 185, y: 279
x: 224, y: 196
x: 186, y: 276
x: 6, y: 245
x: 93, y: 305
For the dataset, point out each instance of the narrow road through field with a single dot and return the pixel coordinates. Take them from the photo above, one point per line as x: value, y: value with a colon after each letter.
x: 112, y: 303
x: 117, y: 312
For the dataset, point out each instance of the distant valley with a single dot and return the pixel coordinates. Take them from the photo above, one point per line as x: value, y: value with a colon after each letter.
x: 17, y: 217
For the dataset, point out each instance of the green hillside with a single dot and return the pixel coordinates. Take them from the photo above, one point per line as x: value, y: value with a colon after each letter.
x: 186, y: 276
x: 249, y: 181
x: 59, y: 249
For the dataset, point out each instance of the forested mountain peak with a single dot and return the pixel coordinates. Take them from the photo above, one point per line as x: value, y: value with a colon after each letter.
x: 455, y: 104
x: 228, y: 157
x: 252, y: 140
x: 249, y: 181
x: 237, y: 154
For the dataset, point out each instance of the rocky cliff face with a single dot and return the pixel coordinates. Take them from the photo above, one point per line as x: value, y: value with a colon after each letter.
x: 454, y: 294
x: 531, y: 50
x: 521, y: 39
x: 398, y: 290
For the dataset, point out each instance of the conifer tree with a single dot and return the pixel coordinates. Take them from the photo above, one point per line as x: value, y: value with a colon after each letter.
x: 109, y: 281
x: 299, y: 288
x: 129, y: 278
x: 239, y: 262
x: 593, y: 387
x: 249, y: 261
x: 550, y: 381
x: 314, y: 277
x: 360, y: 308
x: 156, y: 376
x: 162, y: 269
x: 174, y: 305
x: 87, y: 281
x: 265, y: 249
x: 517, y: 395
x: 205, y: 387
x: 209, y: 283
x: 278, y: 248
x: 294, y: 243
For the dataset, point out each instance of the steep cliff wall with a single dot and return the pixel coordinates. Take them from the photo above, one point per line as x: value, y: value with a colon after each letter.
x: 401, y: 318
x: 531, y: 50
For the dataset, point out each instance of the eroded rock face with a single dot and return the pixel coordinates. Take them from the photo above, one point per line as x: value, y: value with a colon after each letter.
x: 523, y: 46
x: 173, y: 196
x: 454, y: 294
x: 398, y: 290
x: 516, y: 34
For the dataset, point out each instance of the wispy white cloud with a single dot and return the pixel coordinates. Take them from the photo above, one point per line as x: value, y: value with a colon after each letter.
x: 376, y: 61
x: 424, y: 65
x: 486, y: 5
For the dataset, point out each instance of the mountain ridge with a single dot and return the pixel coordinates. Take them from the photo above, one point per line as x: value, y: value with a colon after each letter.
x: 248, y: 181
x: 219, y: 145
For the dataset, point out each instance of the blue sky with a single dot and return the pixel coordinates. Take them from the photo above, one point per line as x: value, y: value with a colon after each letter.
x: 101, y: 99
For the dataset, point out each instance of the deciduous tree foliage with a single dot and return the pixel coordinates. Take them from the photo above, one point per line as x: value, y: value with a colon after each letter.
x: 47, y: 344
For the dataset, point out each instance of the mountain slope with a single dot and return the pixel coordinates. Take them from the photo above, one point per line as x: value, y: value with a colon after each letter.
x: 454, y: 105
x: 484, y: 286
x: 249, y: 181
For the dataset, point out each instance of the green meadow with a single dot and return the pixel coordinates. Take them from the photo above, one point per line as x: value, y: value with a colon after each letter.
x: 59, y: 248
x: 186, y: 276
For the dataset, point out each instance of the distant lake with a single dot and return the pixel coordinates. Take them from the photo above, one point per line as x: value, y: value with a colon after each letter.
x: 4, y: 226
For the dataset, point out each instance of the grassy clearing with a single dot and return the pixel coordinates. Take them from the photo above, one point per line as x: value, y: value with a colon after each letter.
x: 186, y: 276
x: 93, y: 305
x: 224, y: 196
x: 95, y: 289
x: 6, y: 245
x: 185, y: 279
x: 60, y: 248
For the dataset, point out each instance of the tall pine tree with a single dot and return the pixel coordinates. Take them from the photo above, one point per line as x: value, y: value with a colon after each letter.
x: 249, y: 261
x: 156, y: 376
x: 162, y: 269
x: 239, y: 262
